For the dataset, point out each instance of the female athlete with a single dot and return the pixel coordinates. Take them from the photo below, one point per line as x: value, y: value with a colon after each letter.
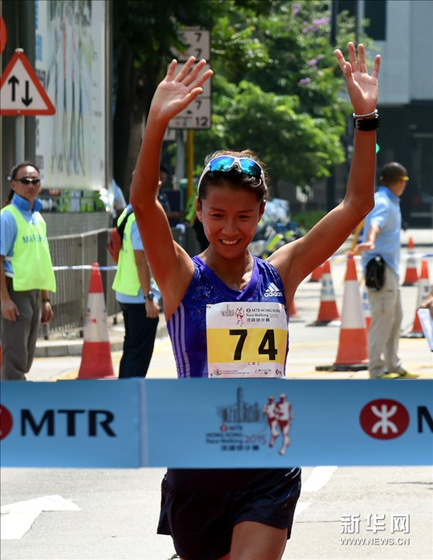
x: 237, y: 514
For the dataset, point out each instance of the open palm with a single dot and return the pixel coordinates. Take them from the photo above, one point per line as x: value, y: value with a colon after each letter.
x: 363, y: 88
x: 175, y: 93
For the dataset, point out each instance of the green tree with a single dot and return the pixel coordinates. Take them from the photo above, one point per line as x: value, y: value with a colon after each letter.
x: 276, y: 83
x: 276, y: 87
x: 145, y: 34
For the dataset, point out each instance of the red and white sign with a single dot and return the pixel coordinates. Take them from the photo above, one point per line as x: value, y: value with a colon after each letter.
x: 384, y: 419
x: 3, y: 34
x: 6, y: 421
x: 21, y: 92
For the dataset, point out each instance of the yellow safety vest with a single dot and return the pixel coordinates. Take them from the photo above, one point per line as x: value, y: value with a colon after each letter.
x: 31, y: 261
x: 126, y: 280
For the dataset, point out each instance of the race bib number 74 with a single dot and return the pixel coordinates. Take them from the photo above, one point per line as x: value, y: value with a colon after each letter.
x: 246, y: 339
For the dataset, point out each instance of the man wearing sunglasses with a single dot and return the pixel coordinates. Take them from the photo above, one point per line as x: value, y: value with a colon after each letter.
x: 26, y: 273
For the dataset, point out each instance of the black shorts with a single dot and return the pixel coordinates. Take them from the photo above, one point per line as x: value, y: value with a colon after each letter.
x: 201, y: 523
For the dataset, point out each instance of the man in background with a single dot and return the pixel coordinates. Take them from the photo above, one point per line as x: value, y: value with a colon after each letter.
x: 382, y: 239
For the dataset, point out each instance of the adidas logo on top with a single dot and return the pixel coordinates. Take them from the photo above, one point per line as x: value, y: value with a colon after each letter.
x: 272, y: 291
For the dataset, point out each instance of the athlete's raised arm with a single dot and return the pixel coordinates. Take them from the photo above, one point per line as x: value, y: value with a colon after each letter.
x: 296, y: 260
x: 170, y: 264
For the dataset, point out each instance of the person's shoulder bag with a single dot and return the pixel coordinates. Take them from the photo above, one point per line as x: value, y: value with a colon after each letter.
x: 375, y: 273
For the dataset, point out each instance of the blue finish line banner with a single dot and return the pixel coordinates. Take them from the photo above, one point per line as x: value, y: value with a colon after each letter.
x: 224, y: 423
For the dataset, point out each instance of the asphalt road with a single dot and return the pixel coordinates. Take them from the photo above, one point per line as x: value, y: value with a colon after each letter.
x: 112, y: 515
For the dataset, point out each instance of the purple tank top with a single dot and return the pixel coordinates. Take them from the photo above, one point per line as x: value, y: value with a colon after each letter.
x: 187, y: 325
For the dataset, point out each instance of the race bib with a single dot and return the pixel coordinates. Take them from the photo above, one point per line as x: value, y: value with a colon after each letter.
x: 246, y: 339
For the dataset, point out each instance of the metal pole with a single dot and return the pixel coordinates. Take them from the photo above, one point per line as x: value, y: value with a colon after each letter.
x: 360, y: 11
x: 19, y: 139
x: 431, y: 212
x: 357, y: 23
x: 330, y: 185
x: 334, y: 14
x: 190, y: 164
x: 108, y: 171
x: 180, y: 158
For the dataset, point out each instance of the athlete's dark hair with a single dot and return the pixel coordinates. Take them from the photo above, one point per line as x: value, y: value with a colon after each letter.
x: 234, y: 178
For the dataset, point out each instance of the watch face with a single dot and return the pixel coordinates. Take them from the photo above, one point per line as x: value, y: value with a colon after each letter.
x: 150, y: 296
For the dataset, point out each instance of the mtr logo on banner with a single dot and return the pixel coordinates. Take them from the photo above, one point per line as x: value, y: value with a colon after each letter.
x: 389, y: 419
x: 64, y: 422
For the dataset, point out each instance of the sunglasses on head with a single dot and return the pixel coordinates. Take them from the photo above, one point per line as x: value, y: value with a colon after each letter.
x: 223, y: 164
x: 28, y: 180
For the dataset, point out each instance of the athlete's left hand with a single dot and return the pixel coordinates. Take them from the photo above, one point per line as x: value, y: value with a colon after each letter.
x: 363, y: 89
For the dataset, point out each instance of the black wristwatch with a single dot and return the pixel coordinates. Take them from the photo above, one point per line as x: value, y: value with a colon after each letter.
x: 150, y: 296
x: 367, y: 124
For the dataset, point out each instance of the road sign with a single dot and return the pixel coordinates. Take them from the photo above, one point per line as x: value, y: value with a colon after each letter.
x: 195, y: 116
x: 198, y: 44
x: 3, y: 34
x: 21, y: 93
x: 198, y: 115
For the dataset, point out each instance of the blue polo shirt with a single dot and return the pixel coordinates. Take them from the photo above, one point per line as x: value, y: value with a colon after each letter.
x: 9, y: 230
x: 387, y: 215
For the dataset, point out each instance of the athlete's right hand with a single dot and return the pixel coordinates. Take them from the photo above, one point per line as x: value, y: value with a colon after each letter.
x: 175, y: 93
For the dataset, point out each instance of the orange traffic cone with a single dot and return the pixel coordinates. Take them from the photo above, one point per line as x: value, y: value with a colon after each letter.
x: 411, y: 276
x: 353, y: 347
x: 96, y: 356
x: 366, y: 309
x: 423, y: 292
x: 328, y: 312
x: 316, y: 275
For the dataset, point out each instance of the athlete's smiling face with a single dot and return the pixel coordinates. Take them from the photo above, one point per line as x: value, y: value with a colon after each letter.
x: 230, y: 218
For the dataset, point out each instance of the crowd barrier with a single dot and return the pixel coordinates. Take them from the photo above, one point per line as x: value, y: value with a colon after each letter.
x: 72, y: 256
x: 225, y: 423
